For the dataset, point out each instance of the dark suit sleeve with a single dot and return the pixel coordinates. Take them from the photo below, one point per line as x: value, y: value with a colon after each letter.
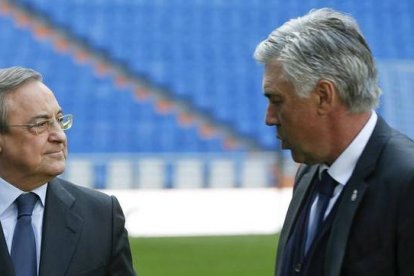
x: 121, y: 261
x: 405, y: 225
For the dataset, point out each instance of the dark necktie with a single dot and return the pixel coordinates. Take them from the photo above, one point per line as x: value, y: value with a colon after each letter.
x: 23, y: 251
x: 324, y: 189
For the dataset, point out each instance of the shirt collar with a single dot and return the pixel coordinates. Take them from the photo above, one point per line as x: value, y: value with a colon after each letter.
x: 343, y: 167
x: 9, y: 193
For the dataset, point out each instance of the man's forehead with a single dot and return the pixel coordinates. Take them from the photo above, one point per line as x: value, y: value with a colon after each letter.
x: 34, y: 96
x: 31, y: 90
x: 273, y: 77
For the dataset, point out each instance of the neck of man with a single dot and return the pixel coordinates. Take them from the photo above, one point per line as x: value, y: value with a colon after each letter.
x: 24, y: 183
x: 343, y: 128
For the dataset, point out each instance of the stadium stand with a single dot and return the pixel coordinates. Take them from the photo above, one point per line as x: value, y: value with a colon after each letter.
x: 164, y: 91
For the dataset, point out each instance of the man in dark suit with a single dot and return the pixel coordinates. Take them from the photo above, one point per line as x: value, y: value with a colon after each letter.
x: 49, y: 226
x: 352, y: 211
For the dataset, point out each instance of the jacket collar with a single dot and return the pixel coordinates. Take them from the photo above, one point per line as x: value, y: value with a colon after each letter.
x: 61, y: 230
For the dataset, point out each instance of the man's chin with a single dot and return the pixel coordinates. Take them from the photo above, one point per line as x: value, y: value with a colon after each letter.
x: 303, y: 159
x: 284, y: 145
x: 298, y: 158
x: 56, y: 169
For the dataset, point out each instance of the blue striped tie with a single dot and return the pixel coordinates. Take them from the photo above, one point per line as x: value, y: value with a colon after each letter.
x: 23, y: 251
x: 324, y: 188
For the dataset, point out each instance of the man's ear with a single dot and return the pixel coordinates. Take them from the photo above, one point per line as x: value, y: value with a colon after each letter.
x: 325, y: 92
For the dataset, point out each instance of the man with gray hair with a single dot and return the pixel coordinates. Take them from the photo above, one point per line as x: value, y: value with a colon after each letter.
x: 352, y: 210
x: 48, y: 225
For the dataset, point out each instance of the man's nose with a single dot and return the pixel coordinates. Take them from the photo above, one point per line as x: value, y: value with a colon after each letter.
x: 270, y: 117
x: 56, y: 133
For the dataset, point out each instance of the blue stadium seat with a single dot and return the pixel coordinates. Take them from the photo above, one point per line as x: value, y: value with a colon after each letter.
x: 200, y: 51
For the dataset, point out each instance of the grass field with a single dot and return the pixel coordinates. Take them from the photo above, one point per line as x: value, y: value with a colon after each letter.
x: 205, y: 256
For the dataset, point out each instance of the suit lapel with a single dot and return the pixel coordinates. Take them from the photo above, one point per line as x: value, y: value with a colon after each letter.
x: 350, y: 201
x: 302, y: 185
x: 61, y: 230
x: 6, y: 266
x: 351, y: 198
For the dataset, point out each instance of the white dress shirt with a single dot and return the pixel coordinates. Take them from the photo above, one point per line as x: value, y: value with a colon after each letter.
x: 8, y: 213
x: 343, y: 167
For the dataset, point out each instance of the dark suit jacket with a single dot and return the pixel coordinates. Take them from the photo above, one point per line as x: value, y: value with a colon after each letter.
x: 373, y: 230
x: 83, y: 234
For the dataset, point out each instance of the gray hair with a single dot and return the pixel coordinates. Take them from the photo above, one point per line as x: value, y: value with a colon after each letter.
x: 325, y: 44
x: 11, y: 79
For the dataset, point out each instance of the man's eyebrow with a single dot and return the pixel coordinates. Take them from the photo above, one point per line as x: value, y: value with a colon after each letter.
x: 44, y: 116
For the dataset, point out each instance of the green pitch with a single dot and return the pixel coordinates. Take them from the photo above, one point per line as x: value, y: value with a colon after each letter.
x: 205, y: 256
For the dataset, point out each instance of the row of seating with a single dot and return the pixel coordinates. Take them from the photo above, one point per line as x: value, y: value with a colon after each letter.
x: 107, y: 119
x: 199, y: 51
